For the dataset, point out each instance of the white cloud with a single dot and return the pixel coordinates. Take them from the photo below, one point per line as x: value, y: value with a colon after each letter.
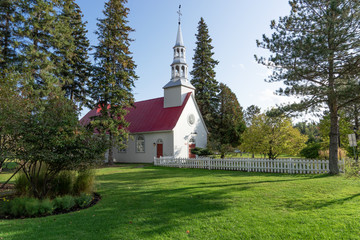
x: 269, y: 98
x: 238, y: 66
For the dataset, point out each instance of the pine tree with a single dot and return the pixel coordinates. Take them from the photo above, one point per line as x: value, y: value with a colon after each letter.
x: 72, y: 59
x: 315, y: 53
x: 203, y: 77
x: 114, y: 75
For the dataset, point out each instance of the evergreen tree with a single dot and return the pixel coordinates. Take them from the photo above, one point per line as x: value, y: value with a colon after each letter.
x: 250, y: 113
x: 8, y: 28
x: 203, y: 77
x: 114, y: 75
x: 72, y: 59
x: 316, y: 54
x: 231, y: 123
x: 37, y: 46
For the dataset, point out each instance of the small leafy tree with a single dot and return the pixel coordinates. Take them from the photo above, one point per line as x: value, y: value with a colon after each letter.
x: 273, y: 136
x: 52, y: 141
x: 13, y: 111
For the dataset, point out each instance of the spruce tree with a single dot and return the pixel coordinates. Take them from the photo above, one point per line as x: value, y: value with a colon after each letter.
x: 8, y: 28
x: 315, y: 53
x: 72, y: 57
x: 203, y: 77
x: 37, y: 36
x: 114, y: 75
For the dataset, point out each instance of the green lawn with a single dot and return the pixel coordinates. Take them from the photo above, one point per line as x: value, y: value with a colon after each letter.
x: 165, y: 203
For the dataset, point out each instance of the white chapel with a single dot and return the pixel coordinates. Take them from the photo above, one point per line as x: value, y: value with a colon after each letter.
x: 171, y: 125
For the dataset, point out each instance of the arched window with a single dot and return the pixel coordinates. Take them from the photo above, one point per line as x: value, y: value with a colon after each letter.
x: 192, y: 140
x: 140, y: 144
x: 183, y: 71
x: 177, y: 71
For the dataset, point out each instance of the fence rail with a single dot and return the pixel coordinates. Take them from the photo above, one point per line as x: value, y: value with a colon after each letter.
x: 291, y: 166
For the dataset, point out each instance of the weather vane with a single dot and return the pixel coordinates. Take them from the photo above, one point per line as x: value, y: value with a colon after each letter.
x: 180, y: 14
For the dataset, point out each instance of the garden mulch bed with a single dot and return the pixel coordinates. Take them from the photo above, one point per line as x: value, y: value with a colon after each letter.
x: 96, y: 199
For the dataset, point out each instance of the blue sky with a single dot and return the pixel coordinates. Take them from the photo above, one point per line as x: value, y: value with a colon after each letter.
x: 234, y: 26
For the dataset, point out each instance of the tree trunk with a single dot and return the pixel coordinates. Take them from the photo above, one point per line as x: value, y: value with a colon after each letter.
x: 356, y: 122
x: 334, y: 144
x: 111, y: 157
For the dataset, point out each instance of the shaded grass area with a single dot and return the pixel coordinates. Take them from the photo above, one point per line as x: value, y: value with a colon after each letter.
x: 169, y: 203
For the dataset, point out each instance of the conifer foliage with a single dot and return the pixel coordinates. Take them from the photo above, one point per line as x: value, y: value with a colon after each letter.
x: 203, y: 76
x: 72, y: 57
x: 316, y: 53
x: 8, y: 24
x: 114, y: 74
x: 231, y: 122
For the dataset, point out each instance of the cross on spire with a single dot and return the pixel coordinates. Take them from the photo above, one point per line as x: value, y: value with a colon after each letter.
x: 180, y: 14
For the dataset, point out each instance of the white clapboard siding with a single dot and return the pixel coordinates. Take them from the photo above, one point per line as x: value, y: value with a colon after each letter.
x: 291, y: 166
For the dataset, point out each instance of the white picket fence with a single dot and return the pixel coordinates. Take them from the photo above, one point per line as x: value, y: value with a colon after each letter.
x: 291, y: 166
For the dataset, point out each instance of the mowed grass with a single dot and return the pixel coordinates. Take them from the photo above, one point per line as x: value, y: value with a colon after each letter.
x: 168, y: 203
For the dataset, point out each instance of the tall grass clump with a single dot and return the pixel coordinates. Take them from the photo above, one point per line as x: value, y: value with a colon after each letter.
x: 84, y: 182
x: 66, y: 182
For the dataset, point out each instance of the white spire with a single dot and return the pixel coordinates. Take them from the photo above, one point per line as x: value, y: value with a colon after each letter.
x: 176, y: 89
x: 179, y: 38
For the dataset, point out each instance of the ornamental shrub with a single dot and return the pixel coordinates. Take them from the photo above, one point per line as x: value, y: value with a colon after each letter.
x: 83, y: 200
x: 64, y: 203
x: 33, y: 207
x: 311, y: 150
x: 65, y: 183
x: 46, y: 207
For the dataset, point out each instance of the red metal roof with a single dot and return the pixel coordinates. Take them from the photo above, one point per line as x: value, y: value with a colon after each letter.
x: 148, y: 116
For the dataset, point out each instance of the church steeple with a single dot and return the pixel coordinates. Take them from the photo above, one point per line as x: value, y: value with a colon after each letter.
x: 179, y: 72
x: 179, y: 68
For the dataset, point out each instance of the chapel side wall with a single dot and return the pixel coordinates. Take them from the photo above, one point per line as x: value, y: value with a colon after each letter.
x: 131, y: 156
x: 183, y: 130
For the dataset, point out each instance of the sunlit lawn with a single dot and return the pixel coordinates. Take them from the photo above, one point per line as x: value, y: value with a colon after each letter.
x: 166, y: 203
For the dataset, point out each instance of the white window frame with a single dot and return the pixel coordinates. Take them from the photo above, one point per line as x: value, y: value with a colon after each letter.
x: 138, y: 142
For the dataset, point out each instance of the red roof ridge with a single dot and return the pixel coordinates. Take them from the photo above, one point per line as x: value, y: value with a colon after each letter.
x: 148, y: 100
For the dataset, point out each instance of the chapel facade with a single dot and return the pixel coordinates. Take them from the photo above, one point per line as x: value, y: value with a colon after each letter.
x: 171, y: 125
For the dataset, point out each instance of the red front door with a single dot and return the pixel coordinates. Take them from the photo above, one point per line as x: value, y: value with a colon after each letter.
x: 159, y: 150
x: 191, y: 146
